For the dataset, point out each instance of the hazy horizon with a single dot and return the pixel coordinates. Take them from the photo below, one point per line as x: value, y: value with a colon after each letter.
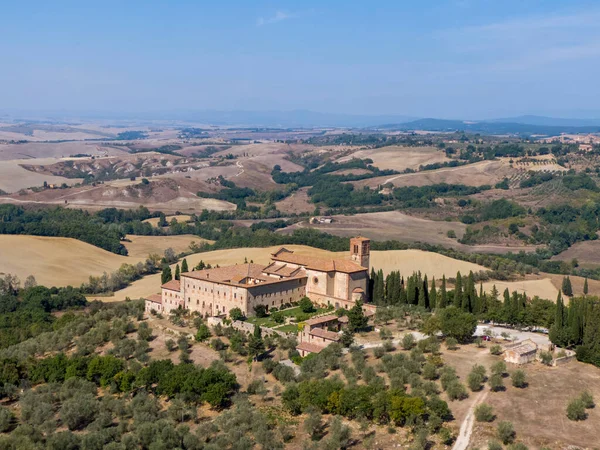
x: 456, y: 59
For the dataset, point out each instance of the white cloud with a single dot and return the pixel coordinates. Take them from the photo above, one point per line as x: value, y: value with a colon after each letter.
x: 277, y: 17
x: 525, y: 43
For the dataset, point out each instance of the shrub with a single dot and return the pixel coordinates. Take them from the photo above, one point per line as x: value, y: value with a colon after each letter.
x: 79, y: 411
x: 519, y: 379
x: 484, y: 413
x: 408, y: 341
x: 269, y: 364
x: 278, y: 317
x: 430, y: 371
x: 496, y: 382
x: 451, y: 234
x: 451, y: 343
x: 588, y: 399
x: 260, y: 311
x: 283, y: 373
x: 217, y: 344
x: 237, y: 314
x: 576, y: 410
x: 170, y: 344
x: 203, y: 333
x: 306, y: 305
x: 546, y: 358
x: 494, y: 445
x: 517, y: 446
x: 475, y: 380
x: 496, y: 349
x: 506, y: 432
x: 456, y: 391
x: 7, y: 419
x: 388, y: 346
x: 378, y: 352
x: 499, y: 368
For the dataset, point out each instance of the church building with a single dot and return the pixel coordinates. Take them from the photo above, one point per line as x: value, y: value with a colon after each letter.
x: 288, y: 278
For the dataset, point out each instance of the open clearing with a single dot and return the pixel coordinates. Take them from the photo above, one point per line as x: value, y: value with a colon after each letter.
x: 141, y: 246
x: 55, y: 261
x: 477, y: 174
x: 399, y: 157
x: 13, y: 177
x: 297, y: 202
x: 390, y: 225
x: 586, y: 253
x: 538, y: 412
x: 394, y: 225
x: 183, y: 218
x: 428, y: 263
x: 543, y: 288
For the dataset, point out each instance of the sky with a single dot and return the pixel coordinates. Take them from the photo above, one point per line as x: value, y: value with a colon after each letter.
x: 467, y: 59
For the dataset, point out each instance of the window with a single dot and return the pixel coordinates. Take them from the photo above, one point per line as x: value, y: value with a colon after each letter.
x: 315, y: 280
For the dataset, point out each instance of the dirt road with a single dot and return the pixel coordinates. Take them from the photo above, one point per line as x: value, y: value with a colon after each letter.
x: 466, y: 428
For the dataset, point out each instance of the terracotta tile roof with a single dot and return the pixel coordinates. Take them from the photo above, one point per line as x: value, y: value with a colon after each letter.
x: 173, y: 285
x: 154, y: 298
x: 325, y: 334
x: 309, y: 347
x: 322, y: 319
x: 244, y: 275
x: 319, y: 264
x: 280, y: 269
x: 524, y: 348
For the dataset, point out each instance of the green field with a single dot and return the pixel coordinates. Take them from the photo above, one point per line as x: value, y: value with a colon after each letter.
x: 290, y: 312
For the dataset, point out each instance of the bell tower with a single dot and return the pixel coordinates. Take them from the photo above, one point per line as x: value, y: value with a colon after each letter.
x: 360, y: 249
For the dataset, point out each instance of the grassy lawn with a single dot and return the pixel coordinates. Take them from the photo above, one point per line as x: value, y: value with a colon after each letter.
x: 292, y: 328
x: 290, y: 312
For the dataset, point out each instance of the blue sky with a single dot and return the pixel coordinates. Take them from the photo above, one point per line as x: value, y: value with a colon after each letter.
x: 451, y: 59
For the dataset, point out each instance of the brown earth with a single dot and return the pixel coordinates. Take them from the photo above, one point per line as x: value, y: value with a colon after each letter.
x: 394, y: 225
x: 538, y: 412
x: 587, y: 253
x: 162, y: 194
x: 297, y: 202
x: 141, y: 246
x: 477, y: 174
x: 399, y: 157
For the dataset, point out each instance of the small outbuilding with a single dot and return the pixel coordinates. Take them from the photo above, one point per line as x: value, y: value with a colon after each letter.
x: 521, y: 352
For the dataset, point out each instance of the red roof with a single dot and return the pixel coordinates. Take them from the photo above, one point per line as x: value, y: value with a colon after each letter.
x: 318, y: 264
x: 322, y: 319
x: 309, y: 347
x: 173, y: 285
x: 154, y: 298
x: 325, y: 334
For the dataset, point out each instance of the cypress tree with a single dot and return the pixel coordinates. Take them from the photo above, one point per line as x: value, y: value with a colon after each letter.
x: 458, y: 293
x: 177, y: 272
x: 433, y: 295
x: 567, y: 288
x: 468, y: 298
x: 443, y: 294
x: 585, y: 286
x: 557, y: 331
x: 184, y: 266
x: 397, y: 294
x: 506, y: 306
x: 372, y: 285
x: 166, y: 275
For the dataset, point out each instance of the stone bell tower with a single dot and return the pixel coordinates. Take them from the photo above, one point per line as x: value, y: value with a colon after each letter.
x: 360, y: 249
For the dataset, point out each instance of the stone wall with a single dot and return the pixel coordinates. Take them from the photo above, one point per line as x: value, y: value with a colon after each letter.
x: 245, y: 326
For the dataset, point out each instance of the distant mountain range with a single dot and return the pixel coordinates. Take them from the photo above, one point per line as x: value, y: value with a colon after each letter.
x: 519, y: 125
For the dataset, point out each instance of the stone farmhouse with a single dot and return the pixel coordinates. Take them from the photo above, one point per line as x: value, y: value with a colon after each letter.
x: 288, y: 278
x: 521, y: 352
